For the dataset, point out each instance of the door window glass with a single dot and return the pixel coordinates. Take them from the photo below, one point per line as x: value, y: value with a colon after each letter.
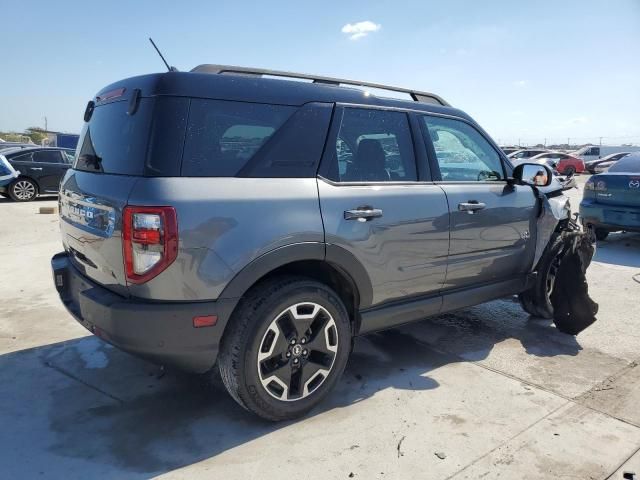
x: 47, y: 156
x: 25, y: 157
x: 374, y: 146
x: 463, y: 154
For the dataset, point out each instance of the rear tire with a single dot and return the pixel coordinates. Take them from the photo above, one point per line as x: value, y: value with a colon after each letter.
x: 286, y: 346
x: 23, y: 190
x: 570, y: 170
x: 537, y: 300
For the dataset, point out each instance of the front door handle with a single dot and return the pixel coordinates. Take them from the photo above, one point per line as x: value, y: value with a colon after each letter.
x: 35, y: 168
x: 471, y: 206
x: 362, y: 213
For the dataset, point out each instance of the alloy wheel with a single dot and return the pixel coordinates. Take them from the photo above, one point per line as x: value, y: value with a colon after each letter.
x: 24, y: 190
x: 297, y: 352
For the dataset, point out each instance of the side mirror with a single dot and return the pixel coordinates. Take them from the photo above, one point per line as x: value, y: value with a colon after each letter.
x: 533, y: 174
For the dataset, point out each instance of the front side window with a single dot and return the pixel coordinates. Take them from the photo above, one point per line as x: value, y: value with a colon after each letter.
x: 222, y: 136
x: 373, y: 146
x: 462, y: 153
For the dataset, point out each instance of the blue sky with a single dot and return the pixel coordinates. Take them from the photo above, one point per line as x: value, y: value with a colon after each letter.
x: 523, y: 70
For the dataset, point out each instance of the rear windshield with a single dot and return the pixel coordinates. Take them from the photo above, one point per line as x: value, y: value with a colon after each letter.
x: 114, y: 141
x: 630, y: 164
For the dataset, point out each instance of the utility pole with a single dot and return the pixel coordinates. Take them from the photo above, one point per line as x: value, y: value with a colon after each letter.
x: 545, y: 142
x: 600, y: 141
x: 45, y: 124
x: 568, y: 141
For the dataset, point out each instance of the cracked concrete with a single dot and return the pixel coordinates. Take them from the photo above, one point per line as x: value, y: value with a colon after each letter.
x: 482, y: 393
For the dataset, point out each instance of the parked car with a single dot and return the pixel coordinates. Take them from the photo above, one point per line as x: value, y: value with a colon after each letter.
x: 7, y: 173
x: 599, y: 166
x: 564, y: 163
x: 41, y: 170
x: 219, y: 220
x: 591, y: 152
x: 524, y: 154
x: 509, y: 150
x: 611, y: 200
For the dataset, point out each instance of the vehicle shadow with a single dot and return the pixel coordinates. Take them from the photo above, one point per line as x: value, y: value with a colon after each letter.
x: 619, y: 249
x: 85, y: 409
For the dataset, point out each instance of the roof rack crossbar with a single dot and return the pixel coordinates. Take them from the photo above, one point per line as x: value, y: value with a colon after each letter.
x: 416, y: 95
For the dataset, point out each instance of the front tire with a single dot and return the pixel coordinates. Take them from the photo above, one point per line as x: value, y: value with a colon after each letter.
x: 23, y: 190
x: 570, y: 170
x: 287, y: 345
x: 537, y: 300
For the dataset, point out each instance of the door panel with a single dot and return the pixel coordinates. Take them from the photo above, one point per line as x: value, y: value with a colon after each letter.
x: 493, y: 224
x: 404, y: 250
x: 49, y: 167
x: 492, y: 243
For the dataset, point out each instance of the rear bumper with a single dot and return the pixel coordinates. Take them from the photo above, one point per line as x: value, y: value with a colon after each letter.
x: 162, y: 332
x: 610, y: 217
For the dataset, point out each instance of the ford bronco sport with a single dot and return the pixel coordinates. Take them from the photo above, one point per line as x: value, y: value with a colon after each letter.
x: 227, y: 219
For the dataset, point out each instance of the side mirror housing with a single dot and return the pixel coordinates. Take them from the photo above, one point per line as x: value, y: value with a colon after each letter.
x: 534, y: 174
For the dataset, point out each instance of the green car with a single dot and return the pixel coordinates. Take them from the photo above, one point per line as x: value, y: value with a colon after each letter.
x: 611, y: 200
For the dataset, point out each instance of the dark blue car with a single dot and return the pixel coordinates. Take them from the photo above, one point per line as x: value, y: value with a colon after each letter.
x: 612, y: 200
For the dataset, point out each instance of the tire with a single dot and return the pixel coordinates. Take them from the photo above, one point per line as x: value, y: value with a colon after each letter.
x: 23, y: 190
x: 570, y: 170
x: 537, y: 300
x: 267, y: 359
x: 601, y: 233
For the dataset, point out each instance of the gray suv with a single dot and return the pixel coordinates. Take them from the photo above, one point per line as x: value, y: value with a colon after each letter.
x: 228, y: 220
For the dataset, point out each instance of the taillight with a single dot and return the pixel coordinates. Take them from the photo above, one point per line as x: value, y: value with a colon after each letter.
x: 601, y: 186
x: 590, y: 185
x: 149, y: 241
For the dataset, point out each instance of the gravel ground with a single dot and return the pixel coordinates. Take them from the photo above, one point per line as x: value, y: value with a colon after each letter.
x: 482, y: 393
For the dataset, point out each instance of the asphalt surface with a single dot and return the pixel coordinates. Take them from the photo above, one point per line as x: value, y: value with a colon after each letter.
x: 486, y: 392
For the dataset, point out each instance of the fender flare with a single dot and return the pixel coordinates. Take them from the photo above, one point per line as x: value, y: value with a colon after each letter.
x: 337, y: 257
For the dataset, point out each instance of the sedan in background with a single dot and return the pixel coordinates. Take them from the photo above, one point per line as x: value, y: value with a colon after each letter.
x: 41, y: 169
x: 603, y: 164
x: 520, y: 155
x: 563, y: 163
x: 611, y: 200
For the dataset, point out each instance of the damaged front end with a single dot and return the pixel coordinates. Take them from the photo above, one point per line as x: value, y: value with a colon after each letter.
x: 563, y: 253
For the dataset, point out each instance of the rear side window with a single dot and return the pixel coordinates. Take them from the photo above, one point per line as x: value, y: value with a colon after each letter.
x: 47, y: 156
x: 114, y: 141
x: 222, y: 136
x: 25, y: 157
x: 373, y: 146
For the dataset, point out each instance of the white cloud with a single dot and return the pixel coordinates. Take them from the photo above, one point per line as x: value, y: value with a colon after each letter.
x: 360, y: 29
x: 520, y: 83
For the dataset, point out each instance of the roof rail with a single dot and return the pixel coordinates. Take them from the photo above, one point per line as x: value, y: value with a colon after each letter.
x: 416, y: 95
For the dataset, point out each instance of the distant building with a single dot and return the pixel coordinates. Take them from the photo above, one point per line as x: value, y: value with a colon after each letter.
x: 59, y: 139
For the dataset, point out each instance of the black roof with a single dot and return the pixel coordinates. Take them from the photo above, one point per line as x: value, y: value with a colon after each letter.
x: 253, y: 88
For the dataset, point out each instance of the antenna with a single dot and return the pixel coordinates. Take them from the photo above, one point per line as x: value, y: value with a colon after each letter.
x: 171, y: 69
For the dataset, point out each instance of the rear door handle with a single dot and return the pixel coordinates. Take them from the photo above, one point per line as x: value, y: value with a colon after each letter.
x: 471, y: 206
x: 363, y: 213
x: 35, y: 168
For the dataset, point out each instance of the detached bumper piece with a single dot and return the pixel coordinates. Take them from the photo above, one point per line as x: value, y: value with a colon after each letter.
x: 573, y: 309
x: 164, y: 333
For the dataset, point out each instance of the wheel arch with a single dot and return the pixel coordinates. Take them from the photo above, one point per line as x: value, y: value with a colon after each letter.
x: 329, y: 264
